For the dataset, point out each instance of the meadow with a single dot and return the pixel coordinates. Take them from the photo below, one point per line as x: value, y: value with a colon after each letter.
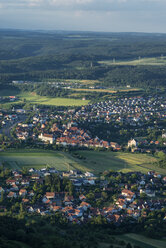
x: 142, y: 241
x: 93, y: 161
x: 18, y: 159
x: 118, y: 161
x: 154, y: 61
x: 30, y: 97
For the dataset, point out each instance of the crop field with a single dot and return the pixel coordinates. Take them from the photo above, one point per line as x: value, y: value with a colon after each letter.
x: 93, y: 161
x: 107, y: 90
x: 38, y: 159
x: 118, y: 161
x: 155, y: 61
x: 44, y: 100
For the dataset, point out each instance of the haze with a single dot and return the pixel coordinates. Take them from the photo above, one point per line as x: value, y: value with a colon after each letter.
x: 85, y: 15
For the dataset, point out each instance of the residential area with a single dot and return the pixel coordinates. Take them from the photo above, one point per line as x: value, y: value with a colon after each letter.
x: 80, y: 197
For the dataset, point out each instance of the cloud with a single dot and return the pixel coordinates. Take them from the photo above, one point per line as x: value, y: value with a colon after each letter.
x: 99, y: 15
x: 88, y: 5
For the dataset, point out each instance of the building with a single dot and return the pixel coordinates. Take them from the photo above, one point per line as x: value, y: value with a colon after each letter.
x: 47, y: 138
x: 132, y: 143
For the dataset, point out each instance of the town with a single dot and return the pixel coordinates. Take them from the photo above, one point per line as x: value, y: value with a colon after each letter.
x: 80, y: 197
x: 137, y: 123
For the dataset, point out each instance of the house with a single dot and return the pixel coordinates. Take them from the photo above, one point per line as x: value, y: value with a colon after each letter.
x: 14, y: 187
x: 82, y: 197
x: 132, y: 143
x: 68, y: 200
x: 129, y: 195
x: 12, y: 195
x: 25, y: 182
x: 121, y: 203
x: 85, y: 205
x: 22, y: 192
x: 115, y: 146
x: 47, y: 138
x: 164, y: 136
x: 88, y: 174
x: 24, y: 200
x: 31, y: 193
x: 50, y: 195
x: 55, y: 208
x: 11, y: 182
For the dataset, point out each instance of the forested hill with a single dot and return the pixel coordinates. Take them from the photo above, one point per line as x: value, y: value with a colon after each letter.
x: 27, y: 55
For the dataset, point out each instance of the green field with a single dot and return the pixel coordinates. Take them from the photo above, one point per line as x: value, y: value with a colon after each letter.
x: 44, y: 100
x: 110, y: 90
x: 38, y: 159
x: 142, y: 241
x: 155, y: 61
x: 92, y: 161
x: 118, y: 161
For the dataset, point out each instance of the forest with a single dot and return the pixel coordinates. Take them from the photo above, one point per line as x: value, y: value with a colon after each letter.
x: 37, y: 56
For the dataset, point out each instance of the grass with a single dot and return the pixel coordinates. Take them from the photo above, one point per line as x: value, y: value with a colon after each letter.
x: 142, y: 241
x: 93, y: 161
x: 118, y: 161
x: 17, y: 159
x: 44, y: 100
x: 154, y: 61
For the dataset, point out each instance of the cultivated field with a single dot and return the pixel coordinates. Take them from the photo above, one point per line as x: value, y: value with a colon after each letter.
x: 155, y: 61
x: 92, y: 161
x: 118, y: 161
x: 44, y: 100
x: 38, y: 159
x: 107, y: 90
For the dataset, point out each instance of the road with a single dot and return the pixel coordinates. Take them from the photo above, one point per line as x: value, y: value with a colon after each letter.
x: 8, y: 127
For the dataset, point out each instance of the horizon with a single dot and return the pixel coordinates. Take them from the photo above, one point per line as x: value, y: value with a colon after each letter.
x: 79, y: 31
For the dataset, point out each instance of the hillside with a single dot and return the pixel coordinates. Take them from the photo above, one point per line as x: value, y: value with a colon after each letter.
x: 26, y: 55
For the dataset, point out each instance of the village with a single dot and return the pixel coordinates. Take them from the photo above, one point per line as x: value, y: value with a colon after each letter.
x: 135, y: 118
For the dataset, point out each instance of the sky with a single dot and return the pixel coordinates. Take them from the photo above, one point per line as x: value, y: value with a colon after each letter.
x: 85, y: 15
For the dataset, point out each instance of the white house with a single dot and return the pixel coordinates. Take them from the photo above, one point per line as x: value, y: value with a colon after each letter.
x: 132, y: 143
x: 47, y: 138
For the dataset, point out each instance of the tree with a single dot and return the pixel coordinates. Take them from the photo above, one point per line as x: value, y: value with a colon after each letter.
x: 1, y: 198
x: 128, y: 245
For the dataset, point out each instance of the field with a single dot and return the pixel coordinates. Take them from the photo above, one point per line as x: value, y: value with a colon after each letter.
x: 142, y: 241
x: 107, y: 90
x: 44, y: 100
x: 38, y: 159
x: 118, y: 161
x: 155, y: 61
x: 92, y: 161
